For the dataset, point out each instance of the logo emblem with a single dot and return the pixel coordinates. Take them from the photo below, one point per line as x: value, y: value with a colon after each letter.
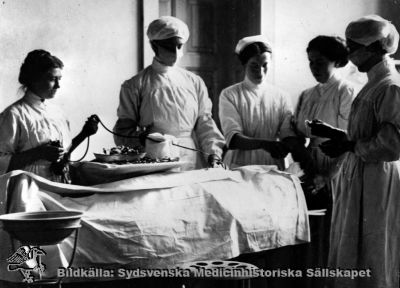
x: 27, y: 260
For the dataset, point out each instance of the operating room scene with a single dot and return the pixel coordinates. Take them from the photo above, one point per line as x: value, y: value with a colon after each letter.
x: 200, y: 143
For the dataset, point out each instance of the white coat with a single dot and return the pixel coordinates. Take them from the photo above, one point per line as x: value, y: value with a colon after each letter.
x: 28, y: 123
x: 175, y: 101
x: 258, y: 111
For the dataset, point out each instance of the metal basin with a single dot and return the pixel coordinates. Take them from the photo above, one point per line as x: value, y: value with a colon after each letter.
x: 42, y: 227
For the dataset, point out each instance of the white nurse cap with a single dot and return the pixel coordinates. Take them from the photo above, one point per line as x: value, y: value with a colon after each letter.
x: 167, y: 27
x: 244, y: 42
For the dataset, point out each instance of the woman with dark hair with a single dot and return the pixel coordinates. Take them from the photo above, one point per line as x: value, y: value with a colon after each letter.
x: 254, y: 114
x: 34, y: 133
x: 330, y: 101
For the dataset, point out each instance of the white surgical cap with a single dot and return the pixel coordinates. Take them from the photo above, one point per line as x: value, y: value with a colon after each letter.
x: 372, y: 28
x: 244, y: 42
x: 167, y: 27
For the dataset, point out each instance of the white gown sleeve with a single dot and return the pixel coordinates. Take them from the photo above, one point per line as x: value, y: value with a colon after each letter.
x: 385, y: 145
x: 128, y: 115
x: 8, y: 138
x: 209, y: 137
x: 231, y: 122
x: 345, y: 106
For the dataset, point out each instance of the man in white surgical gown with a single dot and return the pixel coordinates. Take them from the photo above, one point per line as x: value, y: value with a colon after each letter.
x: 365, y: 231
x: 170, y: 99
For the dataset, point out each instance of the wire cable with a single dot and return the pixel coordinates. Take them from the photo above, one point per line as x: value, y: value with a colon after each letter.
x: 84, y: 155
x: 116, y: 134
x: 138, y: 137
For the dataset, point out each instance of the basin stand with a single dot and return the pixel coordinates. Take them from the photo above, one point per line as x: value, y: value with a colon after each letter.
x: 56, y: 281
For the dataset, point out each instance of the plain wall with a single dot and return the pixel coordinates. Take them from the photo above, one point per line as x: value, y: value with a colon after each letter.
x: 290, y: 25
x: 96, y: 39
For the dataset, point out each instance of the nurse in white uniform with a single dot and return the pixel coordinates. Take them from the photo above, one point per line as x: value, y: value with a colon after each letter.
x: 365, y: 232
x: 329, y: 101
x: 254, y: 114
x: 30, y: 124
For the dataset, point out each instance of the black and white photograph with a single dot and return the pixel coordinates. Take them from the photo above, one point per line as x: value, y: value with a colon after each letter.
x: 200, y: 143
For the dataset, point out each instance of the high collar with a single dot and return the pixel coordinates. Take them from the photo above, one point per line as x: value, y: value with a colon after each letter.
x: 331, y: 81
x: 34, y: 100
x: 161, y: 68
x: 381, y: 69
x: 253, y: 86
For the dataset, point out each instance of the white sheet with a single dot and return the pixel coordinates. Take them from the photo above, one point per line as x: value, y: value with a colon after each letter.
x: 162, y: 220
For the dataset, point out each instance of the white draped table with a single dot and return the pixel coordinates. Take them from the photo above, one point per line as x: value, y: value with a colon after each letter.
x: 165, y: 219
